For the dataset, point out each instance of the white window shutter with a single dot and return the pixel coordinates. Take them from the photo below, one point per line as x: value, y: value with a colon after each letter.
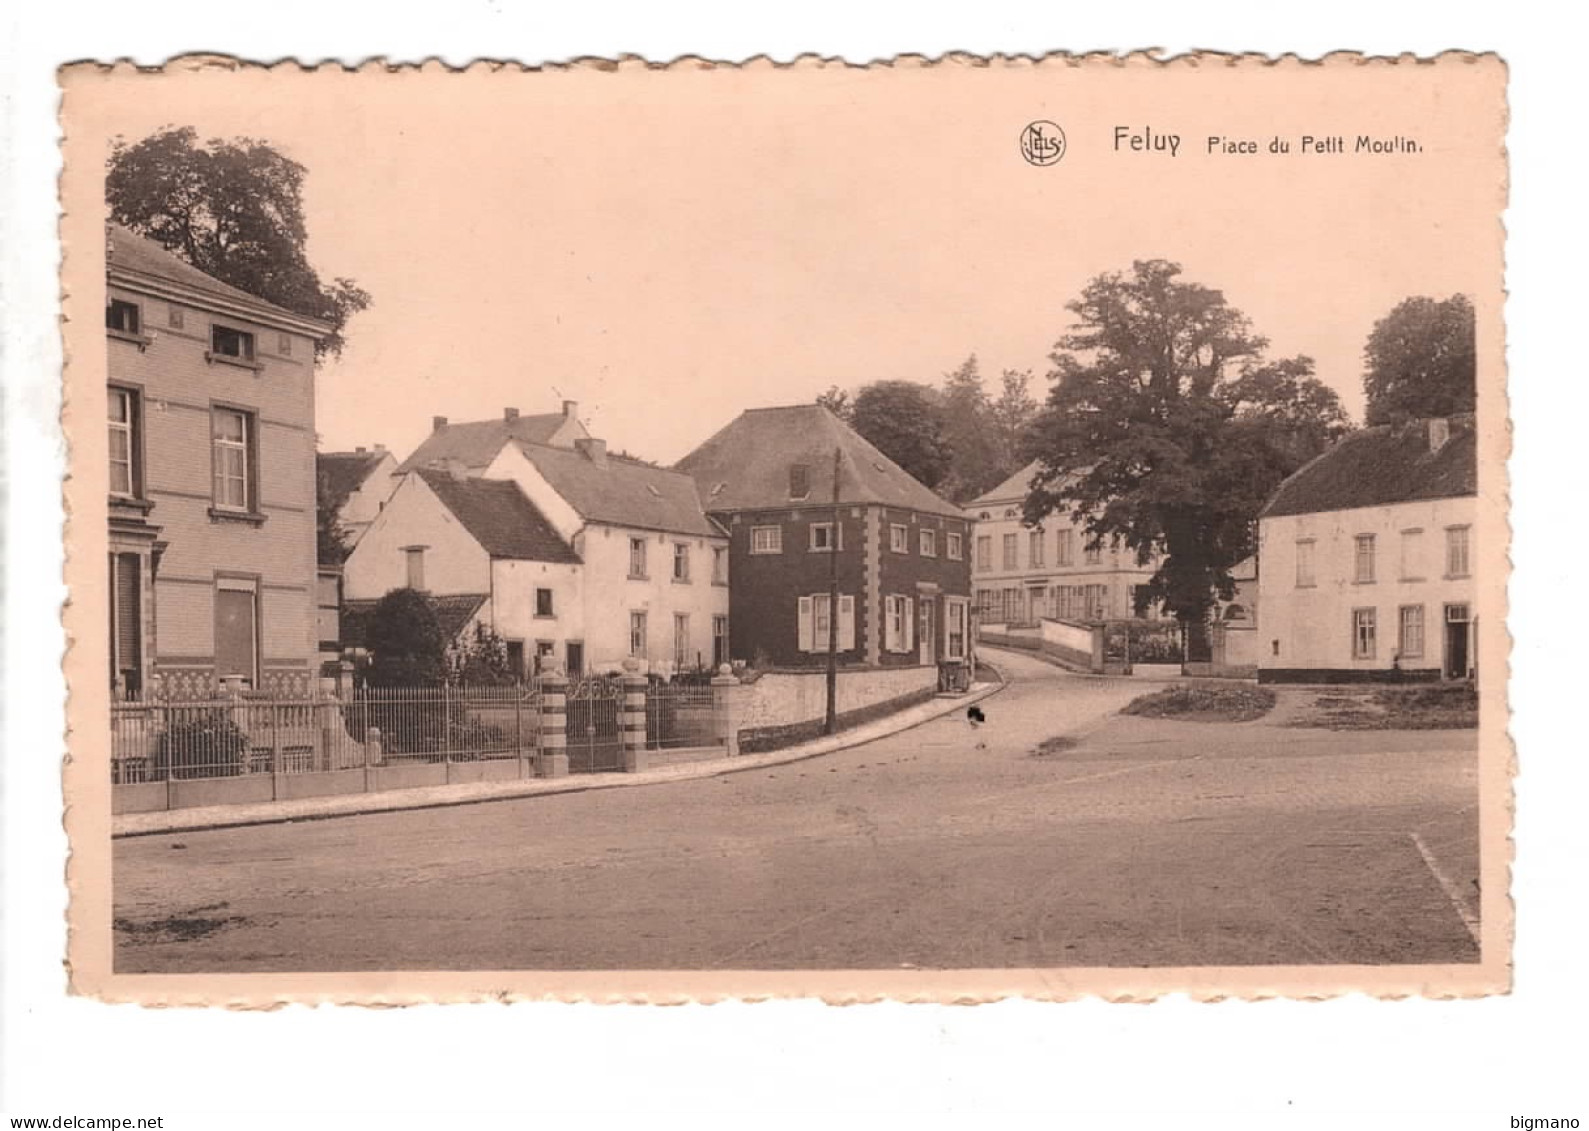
x: 910, y: 625
x: 805, y: 624
x: 846, y: 623
x: 889, y: 644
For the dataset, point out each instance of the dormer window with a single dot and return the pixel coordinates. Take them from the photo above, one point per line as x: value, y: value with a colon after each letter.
x: 227, y: 342
x: 799, y: 481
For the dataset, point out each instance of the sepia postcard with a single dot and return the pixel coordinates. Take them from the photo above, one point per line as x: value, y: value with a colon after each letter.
x: 940, y: 530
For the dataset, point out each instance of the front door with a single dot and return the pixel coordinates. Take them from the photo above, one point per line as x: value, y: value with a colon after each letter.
x: 576, y: 658
x: 236, y: 630
x: 927, y: 632
x: 1035, y: 605
x: 1457, y: 640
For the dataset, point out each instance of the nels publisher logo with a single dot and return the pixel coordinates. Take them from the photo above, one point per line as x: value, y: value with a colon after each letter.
x: 1042, y: 143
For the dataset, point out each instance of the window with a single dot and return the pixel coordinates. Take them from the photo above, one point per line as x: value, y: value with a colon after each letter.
x: 1363, y: 634
x: 1067, y: 547
x: 898, y: 623
x: 637, y: 634
x: 822, y: 537
x: 1363, y: 573
x: 681, y: 562
x: 681, y: 640
x: 954, y: 546
x: 1034, y: 550
x: 984, y: 551
x: 237, y: 629
x: 284, y: 344
x: 126, y: 624
x: 719, y: 641
x: 1411, y: 555
x: 233, y: 443
x: 1457, y: 551
x: 543, y: 603
x: 955, y: 634
x: 898, y: 539
x: 1093, y: 554
x: 929, y: 543
x: 766, y: 539
x: 1409, y: 632
x: 124, y: 443
x: 1305, y: 578
x: 813, y: 623
x: 637, y: 558
x: 545, y: 651
x: 174, y: 317
x: 227, y: 342
x: 123, y: 317
x: 985, y: 604
x: 1010, y: 547
x: 799, y: 481
x: 1097, y: 599
x: 719, y: 565
x: 328, y: 611
x: 416, y: 567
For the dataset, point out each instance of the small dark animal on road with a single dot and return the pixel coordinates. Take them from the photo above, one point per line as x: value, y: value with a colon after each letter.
x: 974, y: 715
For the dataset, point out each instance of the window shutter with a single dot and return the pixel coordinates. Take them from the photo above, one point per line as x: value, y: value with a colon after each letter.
x: 889, y: 644
x: 910, y: 624
x: 846, y: 623
x: 805, y: 624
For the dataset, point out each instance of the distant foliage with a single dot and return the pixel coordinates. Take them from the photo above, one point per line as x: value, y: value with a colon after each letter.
x: 1420, y: 361
x: 405, y: 642
x: 902, y: 419
x: 480, y: 660
x: 331, y: 537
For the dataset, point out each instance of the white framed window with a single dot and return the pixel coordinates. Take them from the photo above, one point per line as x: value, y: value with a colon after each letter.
x: 954, y: 546
x: 1409, y: 632
x: 1067, y: 548
x: 822, y: 538
x: 719, y: 565
x: 1034, y: 550
x: 1363, y: 633
x: 1011, y: 547
x: 681, y: 562
x: 226, y: 341
x: 637, y: 634
x: 1363, y: 558
x: 414, y: 558
x: 813, y: 623
x: 1457, y: 551
x: 232, y: 455
x: 1412, y: 555
x: 766, y: 539
x: 637, y: 558
x: 929, y: 543
x: 898, y: 539
x: 899, y: 623
x: 719, y: 640
x: 124, y: 442
x: 1305, y: 574
x: 957, y: 612
x: 681, y: 640
x: 984, y: 551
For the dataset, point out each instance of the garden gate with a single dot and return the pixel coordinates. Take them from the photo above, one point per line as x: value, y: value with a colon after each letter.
x: 595, y: 732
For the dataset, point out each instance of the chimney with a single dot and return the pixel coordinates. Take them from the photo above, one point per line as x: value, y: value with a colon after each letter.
x: 359, y: 451
x: 437, y: 423
x: 510, y: 413
x: 1439, y: 433
x: 570, y: 408
x: 592, y: 449
x: 379, y: 449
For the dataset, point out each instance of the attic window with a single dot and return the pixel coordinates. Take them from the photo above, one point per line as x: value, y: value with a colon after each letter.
x: 227, y: 342
x: 799, y: 481
x: 123, y: 317
x: 717, y: 489
x: 652, y: 488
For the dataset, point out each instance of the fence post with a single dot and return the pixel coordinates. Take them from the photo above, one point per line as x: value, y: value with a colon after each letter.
x: 726, y: 709
x: 518, y: 729
x: 632, y: 724
x: 552, y: 761
x: 372, y: 755
x: 276, y: 768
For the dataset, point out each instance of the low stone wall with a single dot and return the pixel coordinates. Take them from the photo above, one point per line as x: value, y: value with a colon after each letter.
x: 1348, y: 675
x: 1037, y: 640
x: 782, y: 708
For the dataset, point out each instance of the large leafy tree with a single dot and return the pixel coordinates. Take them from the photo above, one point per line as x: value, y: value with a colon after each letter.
x: 405, y: 642
x: 976, y: 462
x: 1166, y: 429
x: 902, y: 419
x: 1420, y: 361
x: 233, y: 209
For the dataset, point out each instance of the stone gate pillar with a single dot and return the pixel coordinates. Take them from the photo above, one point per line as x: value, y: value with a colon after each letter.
x: 552, y: 761
x: 727, y: 709
x: 632, y: 719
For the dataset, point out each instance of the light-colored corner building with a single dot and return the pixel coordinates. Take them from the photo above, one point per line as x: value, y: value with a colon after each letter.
x: 1021, y: 575
x: 356, y: 485
x: 212, y: 476
x: 1367, y: 559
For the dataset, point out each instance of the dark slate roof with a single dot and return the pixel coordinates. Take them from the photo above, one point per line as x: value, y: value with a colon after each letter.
x: 1013, y: 489
x: 452, y: 611
x: 345, y: 472
x: 500, y: 517
x: 128, y: 251
x: 746, y: 465
x: 476, y: 443
x: 624, y: 492
x: 1383, y: 465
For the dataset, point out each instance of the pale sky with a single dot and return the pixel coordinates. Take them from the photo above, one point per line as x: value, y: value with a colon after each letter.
x: 669, y: 249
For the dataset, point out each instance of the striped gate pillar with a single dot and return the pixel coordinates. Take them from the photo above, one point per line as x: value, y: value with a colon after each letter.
x: 552, y: 761
x: 633, y: 717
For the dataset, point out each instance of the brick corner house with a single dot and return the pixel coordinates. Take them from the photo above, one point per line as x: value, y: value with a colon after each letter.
x: 903, y: 558
x: 211, y: 505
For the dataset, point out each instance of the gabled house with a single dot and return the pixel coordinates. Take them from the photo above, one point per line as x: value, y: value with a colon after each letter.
x: 211, y: 501
x: 901, y: 552
x: 1022, y: 575
x: 354, y: 486
x: 654, y: 566
x: 474, y: 445
x: 447, y: 535
x: 1368, y: 558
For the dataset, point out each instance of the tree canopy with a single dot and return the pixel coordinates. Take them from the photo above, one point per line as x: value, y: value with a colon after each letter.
x: 1420, y: 361
x: 1167, y: 429
x: 902, y: 420
x: 233, y: 209
x: 405, y: 642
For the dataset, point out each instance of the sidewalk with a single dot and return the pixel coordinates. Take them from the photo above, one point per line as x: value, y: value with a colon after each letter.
x: 349, y: 805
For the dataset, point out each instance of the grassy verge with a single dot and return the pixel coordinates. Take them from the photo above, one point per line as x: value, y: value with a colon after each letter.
x: 1436, y: 706
x: 1204, y: 704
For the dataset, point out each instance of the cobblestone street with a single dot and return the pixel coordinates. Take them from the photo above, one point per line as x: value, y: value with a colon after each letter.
x: 1143, y: 843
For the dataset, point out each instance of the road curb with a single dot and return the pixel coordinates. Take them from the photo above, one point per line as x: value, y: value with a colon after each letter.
x: 165, y: 822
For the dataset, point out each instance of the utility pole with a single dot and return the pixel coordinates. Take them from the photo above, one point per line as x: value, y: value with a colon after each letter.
x: 831, y: 723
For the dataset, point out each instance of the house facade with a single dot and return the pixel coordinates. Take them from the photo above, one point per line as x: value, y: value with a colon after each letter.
x: 211, y: 505
x: 354, y: 486
x: 1022, y: 575
x: 899, y: 552
x: 1367, y: 559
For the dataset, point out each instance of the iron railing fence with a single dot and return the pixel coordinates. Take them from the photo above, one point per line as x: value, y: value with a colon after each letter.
x: 681, y: 714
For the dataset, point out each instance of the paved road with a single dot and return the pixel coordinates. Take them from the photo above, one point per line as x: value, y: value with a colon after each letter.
x: 1146, y: 843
